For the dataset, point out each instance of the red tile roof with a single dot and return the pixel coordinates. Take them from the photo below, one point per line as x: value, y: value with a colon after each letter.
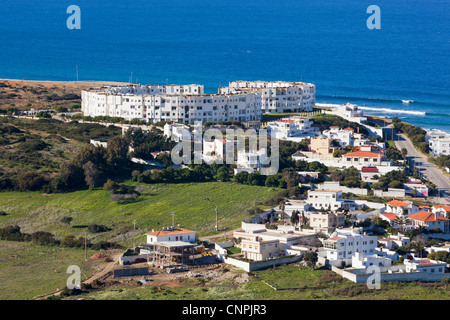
x: 398, y: 203
x: 335, y: 238
x: 169, y: 232
x: 390, y: 215
x: 364, y: 154
x: 426, y: 216
x: 369, y: 169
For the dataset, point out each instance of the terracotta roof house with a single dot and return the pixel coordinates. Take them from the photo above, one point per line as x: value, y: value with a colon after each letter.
x: 430, y: 221
x: 401, y: 208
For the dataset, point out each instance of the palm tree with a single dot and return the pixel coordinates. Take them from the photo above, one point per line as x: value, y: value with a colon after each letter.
x: 402, y: 222
x: 418, y: 244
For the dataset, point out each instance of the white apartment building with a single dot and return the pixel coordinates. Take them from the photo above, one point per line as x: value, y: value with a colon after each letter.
x: 325, y: 199
x: 293, y: 128
x: 343, y: 245
x: 178, y: 103
x: 277, y: 96
x: 439, y: 142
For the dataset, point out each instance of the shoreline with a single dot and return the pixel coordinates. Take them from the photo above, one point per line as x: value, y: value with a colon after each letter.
x: 84, y: 84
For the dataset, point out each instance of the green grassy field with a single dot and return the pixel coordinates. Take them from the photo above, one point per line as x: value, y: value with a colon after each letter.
x: 33, y: 211
x: 28, y: 271
x: 311, y: 285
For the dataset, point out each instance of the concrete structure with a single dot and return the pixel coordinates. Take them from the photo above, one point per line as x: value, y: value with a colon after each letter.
x: 392, y: 192
x: 439, y: 142
x: 335, y: 185
x: 277, y: 96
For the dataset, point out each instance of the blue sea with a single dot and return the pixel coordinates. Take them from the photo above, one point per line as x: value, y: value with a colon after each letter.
x: 211, y: 42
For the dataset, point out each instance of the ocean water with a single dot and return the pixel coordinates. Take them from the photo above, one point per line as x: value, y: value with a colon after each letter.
x: 211, y: 42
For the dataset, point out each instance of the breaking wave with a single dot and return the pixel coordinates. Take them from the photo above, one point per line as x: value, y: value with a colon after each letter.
x: 385, y: 110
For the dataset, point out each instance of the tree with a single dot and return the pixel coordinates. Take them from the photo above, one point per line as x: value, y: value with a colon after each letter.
x: 90, y: 173
x: 404, y: 152
x: 116, y: 153
x: 402, y: 222
x: 223, y: 174
x: 295, y: 218
x: 311, y: 259
x: 418, y: 244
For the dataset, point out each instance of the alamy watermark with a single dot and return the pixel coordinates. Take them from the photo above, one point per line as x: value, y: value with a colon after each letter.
x: 374, y: 21
x: 74, y: 280
x: 74, y: 20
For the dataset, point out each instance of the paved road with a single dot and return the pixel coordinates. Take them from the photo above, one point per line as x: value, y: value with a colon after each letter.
x: 428, y: 170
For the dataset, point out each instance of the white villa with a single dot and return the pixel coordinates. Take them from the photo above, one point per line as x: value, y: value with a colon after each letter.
x: 177, y: 132
x: 293, y: 128
x: 350, y: 112
x: 343, y: 245
x: 402, y: 209
x: 326, y: 222
x: 170, y: 234
x: 345, y: 137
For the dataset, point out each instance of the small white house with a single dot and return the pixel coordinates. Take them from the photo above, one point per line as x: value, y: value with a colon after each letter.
x: 171, y: 234
x: 363, y: 261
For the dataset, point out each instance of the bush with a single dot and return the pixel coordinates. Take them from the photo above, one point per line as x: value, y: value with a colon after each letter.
x: 96, y: 228
x: 43, y: 238
x: 12, y: 233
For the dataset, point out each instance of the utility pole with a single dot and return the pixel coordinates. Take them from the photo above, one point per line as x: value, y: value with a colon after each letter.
x: 217, y: 218
x: 77, y: 72
x: 85, y: 245
x: 173, y: 219
x: 134, y: 239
